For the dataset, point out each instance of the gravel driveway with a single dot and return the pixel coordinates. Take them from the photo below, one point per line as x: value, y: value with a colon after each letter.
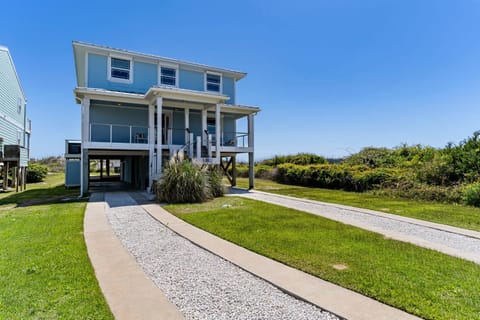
x: 200, y: 284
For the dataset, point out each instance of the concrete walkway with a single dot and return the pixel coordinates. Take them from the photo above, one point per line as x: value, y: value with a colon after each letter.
x: 450, y: 240
x: 128, y: 291
x: 342, y: 302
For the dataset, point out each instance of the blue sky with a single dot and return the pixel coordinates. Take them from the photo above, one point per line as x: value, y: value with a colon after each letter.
x: 331, y: 77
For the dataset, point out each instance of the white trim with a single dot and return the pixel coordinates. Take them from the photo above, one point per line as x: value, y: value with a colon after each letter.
x: 116, y: 145
x: 86, y: 68
x: 171, y: 66
x: 109, y: 69
x: 205, y: 81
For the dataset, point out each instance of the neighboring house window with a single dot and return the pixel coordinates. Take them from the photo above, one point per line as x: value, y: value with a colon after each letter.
x: 19, y: 137
x: 19, y: 105
x: 213, y: 82
x: 168, y: 76
x: 120, y: 70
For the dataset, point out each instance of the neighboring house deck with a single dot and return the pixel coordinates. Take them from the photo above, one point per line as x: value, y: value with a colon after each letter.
x: 15, y: 128
x: 142, y: 109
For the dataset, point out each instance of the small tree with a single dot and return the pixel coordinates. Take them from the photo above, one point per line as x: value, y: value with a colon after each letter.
x: 36, y: 172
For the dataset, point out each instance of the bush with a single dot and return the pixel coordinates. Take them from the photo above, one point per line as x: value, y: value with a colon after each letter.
x: 424, y: 192
x: 36, y: 172
x: 187, y: 182
x: 300, y: 159
x: 215, y: 183
x: 471, y: 194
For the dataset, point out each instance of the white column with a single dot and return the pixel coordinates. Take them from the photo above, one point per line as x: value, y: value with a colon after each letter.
x: 251, y: 173
x: 85, y: 133
x: 204, y: 127
x: 151, y: 143
x: 218, y: 130
x: 159, y: 135
x: 187, y: 126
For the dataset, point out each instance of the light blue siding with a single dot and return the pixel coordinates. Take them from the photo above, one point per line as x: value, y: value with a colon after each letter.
x: 10, y: 95
x: 228, y: 89
x: 192, y: 80
x: 72, y: 173
x: 12, y: 107
x: 144, y: 75
x: 125, y: 123
x: 23, y: 157
x: 178, y: 134
x: 196, y: 123
x: 228, y: 130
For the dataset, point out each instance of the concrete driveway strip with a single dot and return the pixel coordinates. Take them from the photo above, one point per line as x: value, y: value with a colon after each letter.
x: 128, y: 291
x: 450, y: 240
x: 343, y: 302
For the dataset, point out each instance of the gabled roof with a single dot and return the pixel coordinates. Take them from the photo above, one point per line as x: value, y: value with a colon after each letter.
x: 3, y: 48
x: 77, y: 46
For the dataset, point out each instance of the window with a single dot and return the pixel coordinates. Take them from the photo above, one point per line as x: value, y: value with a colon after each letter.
x: 19, y: 105
x: 120, y: 70
x: 168, y: 76
x: 213, y: 82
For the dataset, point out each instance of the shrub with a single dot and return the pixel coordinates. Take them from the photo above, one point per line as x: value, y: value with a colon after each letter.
x: 471, y: 194
x: 300, y: 159
x: 36, y: 172
x: 183, y: 182
x: 419, y: 191
x: 215, y: 183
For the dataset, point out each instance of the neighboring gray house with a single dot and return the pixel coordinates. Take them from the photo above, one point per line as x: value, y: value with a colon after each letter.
x: 15, y: 128
x: 142, y: 109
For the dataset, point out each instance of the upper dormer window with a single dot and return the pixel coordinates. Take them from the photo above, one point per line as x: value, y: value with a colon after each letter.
x: 120, y: 69
x: 168, y: 76
x: 213, y: 82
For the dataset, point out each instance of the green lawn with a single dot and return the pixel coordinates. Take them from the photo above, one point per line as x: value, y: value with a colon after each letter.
x: 420, y: 281
x: 450, y: 214
x: 45, y: 272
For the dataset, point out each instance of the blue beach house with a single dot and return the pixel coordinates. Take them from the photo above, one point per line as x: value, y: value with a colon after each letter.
x: 15, y: 128
x: 142, y: 109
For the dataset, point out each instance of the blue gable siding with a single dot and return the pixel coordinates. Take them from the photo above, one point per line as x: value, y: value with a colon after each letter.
x: 191, y: 80
x: 228, y: 89
x: 144, y: 75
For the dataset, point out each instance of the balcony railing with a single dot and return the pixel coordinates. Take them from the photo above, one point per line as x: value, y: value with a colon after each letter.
x: 234, y: 139
x: 115, y: 133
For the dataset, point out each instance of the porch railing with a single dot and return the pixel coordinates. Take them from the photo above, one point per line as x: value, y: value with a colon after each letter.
x: 116, y: 133
x: 234, y: 139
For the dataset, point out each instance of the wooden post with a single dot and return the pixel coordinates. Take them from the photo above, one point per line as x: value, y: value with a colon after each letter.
x: 25, y: 178
x: 16, y: 177
x: 234, y: 170
x: 6, y: 175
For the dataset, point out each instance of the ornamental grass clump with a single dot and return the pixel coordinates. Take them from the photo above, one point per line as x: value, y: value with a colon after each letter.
x: 184, y: 181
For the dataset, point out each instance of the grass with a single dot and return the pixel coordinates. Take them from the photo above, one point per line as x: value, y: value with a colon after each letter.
x: 450, y: 214
x: 45, y: 272
x: 417, y: 280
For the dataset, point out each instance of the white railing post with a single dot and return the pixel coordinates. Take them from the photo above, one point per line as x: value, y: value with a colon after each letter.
x: 190, y: 146
x: 170, y: 132
x: 209, y: 145
x: 130, y: 134
x: 199, y: 147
